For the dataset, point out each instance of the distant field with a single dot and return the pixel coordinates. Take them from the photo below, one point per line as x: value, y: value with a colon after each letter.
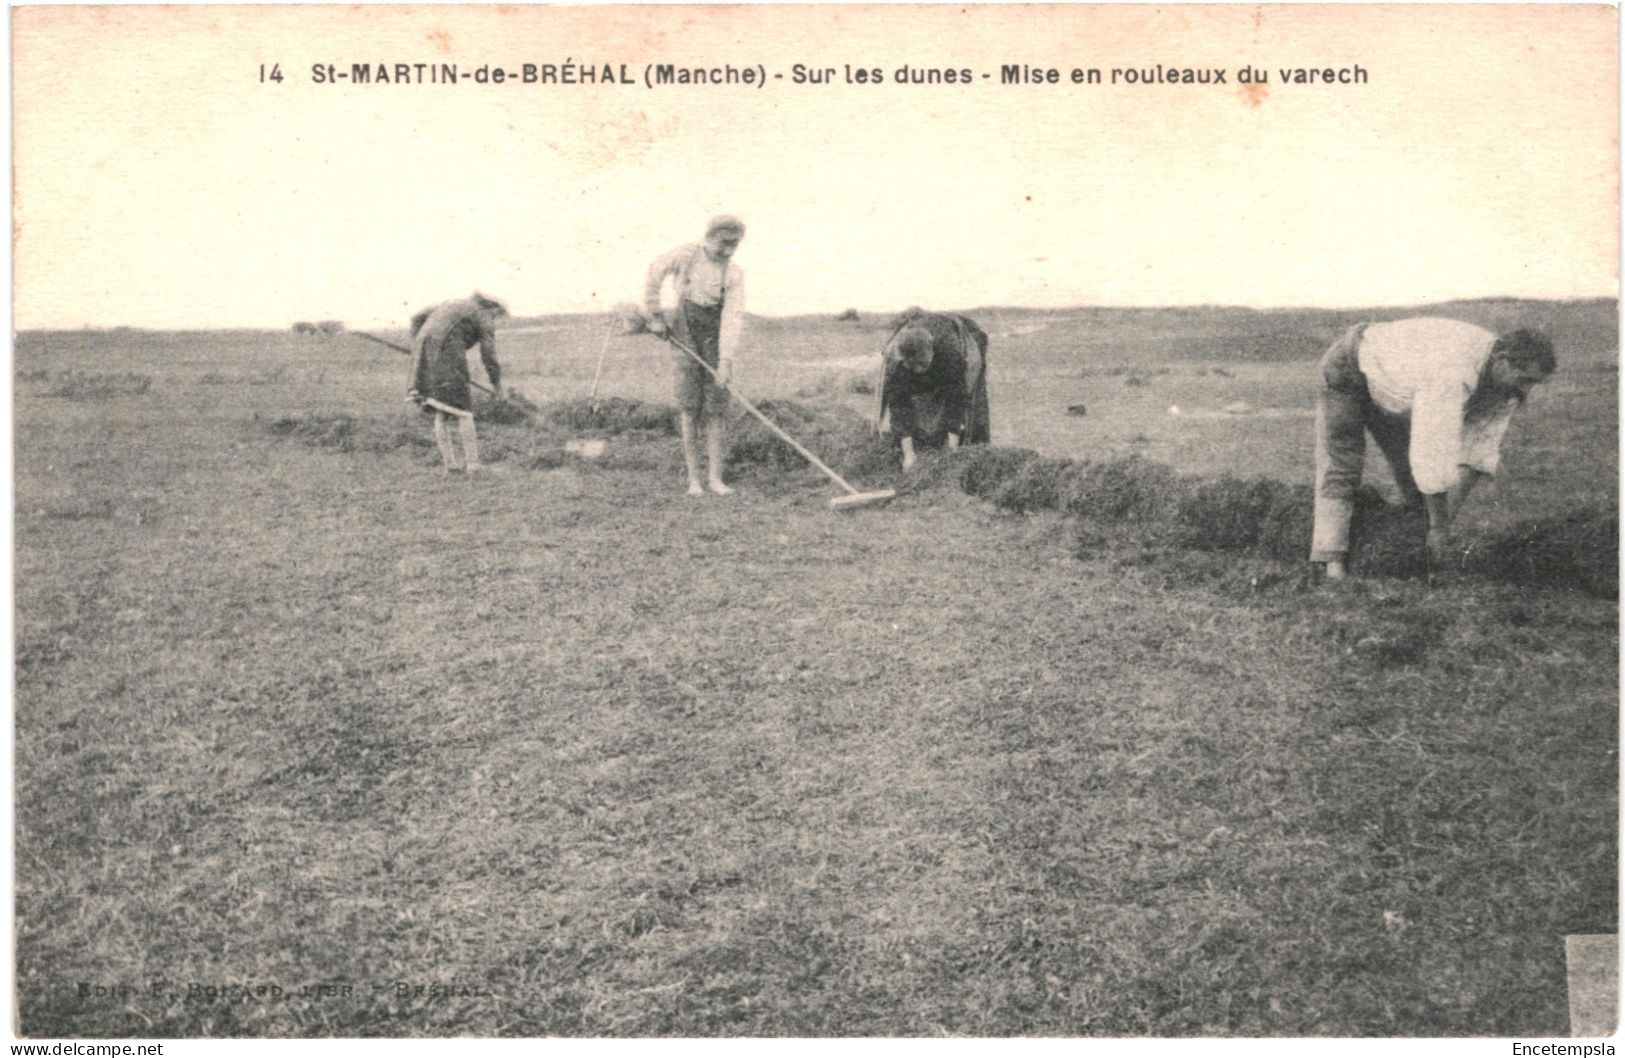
x: 561, y: 752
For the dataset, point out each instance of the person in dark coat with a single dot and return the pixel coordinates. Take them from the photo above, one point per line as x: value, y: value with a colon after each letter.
x: 441, y: 338
x: 933, y: 384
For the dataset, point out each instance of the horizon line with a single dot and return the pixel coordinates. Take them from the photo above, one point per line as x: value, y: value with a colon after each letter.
x: 1211, y: 306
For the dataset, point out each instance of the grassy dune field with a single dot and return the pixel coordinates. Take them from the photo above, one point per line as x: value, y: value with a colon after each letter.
x: 312, y: 740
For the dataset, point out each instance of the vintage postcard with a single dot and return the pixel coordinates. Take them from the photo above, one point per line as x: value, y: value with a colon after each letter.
x: 815, y: 521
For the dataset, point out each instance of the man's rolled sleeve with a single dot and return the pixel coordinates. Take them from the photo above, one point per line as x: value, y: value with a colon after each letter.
x: 1436, y: 437
x: 667, y: 264
x: 1481, y: 440
x: 733, y: 316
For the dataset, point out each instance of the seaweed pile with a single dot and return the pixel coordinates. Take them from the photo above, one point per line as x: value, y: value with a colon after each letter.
x: 838, y: 435
x: 612, y: 416
x: 350, y: 433
x: 1140, y: 506
x: 1271, y: 520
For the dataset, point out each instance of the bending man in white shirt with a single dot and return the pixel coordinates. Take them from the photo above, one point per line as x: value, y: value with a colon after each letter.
x: 709, y: 317
x: 1437, y: 396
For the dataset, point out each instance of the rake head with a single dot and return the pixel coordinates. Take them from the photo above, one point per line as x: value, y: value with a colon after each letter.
x: 853, y: 500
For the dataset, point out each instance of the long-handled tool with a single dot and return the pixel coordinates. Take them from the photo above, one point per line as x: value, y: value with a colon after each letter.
x: 853, y: 498
x: 599, y: 370
x: 404, y: 351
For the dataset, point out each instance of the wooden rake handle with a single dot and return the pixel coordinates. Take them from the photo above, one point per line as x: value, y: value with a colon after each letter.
x: 769, y: 423
x: 598, y: 371
x: 404, y: 351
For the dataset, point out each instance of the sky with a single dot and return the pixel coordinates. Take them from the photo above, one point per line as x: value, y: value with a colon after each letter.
x: 160, y: 183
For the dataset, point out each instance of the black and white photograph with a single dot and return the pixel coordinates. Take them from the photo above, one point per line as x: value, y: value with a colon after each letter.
x: 791, y: 521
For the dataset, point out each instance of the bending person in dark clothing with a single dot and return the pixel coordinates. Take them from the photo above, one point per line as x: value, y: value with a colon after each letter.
x: 441, y: 338
x: 933, y: 386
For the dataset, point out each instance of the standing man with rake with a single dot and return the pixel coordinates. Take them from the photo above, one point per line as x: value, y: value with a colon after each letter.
x: 709, y: 317
x: 441, y: 338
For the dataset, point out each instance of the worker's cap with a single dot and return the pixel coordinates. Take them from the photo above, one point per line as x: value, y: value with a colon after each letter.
x: 490, y: 304
x: 725, y: 223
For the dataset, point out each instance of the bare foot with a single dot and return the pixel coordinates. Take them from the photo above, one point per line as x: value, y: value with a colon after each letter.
x: 696, y: 489
x: 720, y: 489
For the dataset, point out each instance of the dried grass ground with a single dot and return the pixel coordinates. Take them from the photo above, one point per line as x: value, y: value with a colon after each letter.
x: 561, y: 752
